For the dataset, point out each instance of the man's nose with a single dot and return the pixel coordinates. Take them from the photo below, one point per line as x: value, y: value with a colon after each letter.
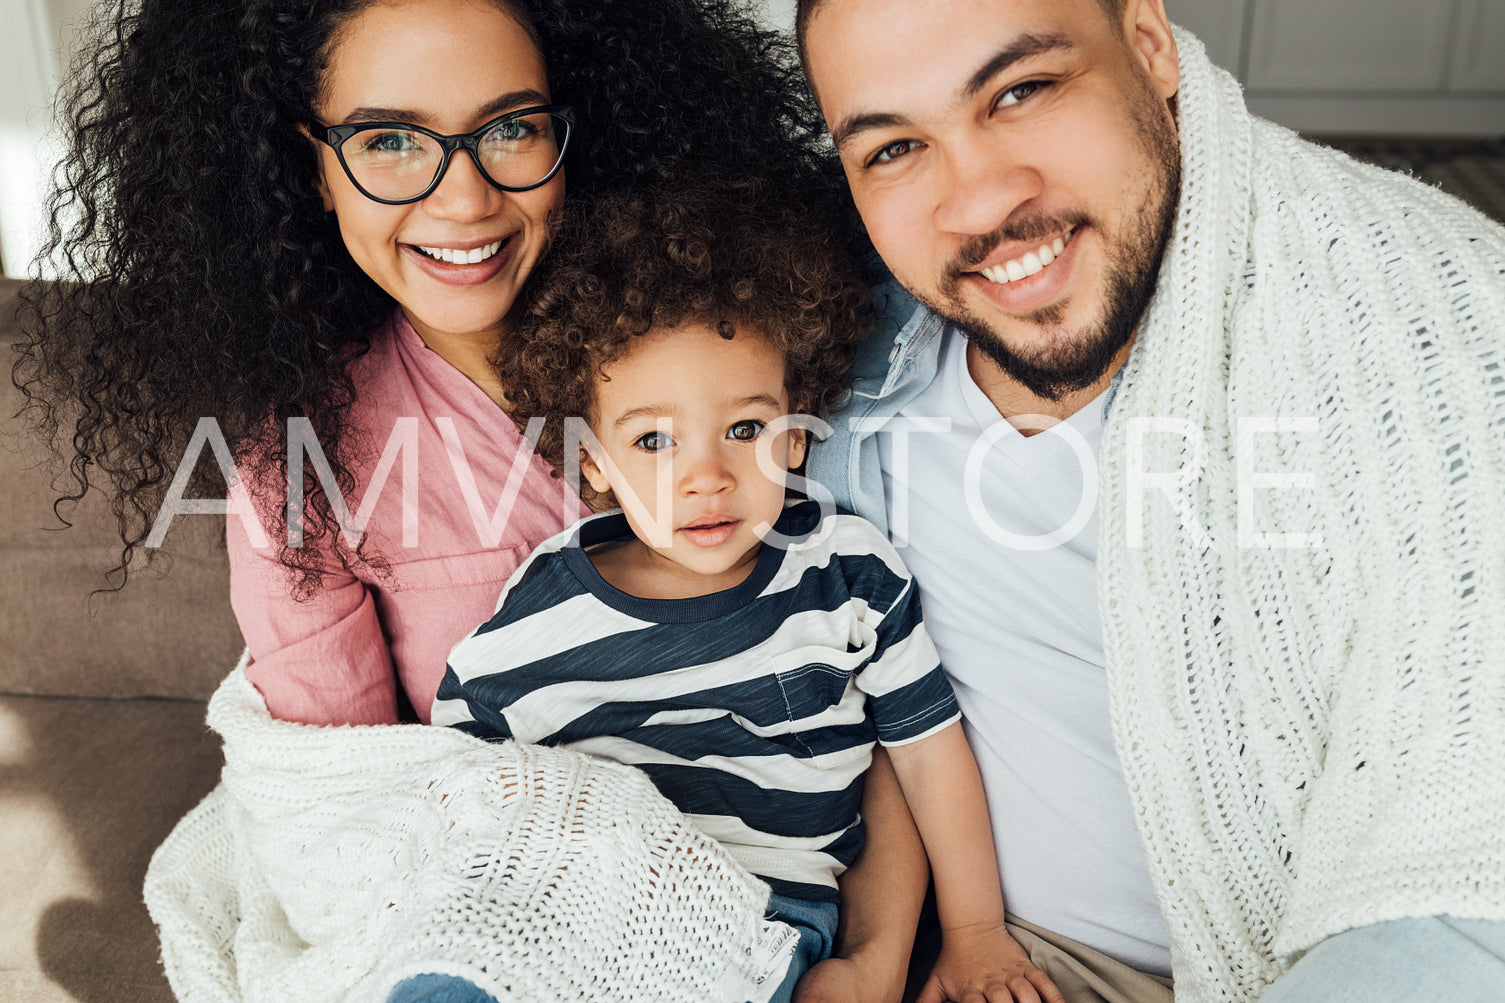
x: 980, y: 187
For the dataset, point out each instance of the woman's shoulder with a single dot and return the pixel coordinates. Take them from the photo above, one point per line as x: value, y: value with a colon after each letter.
x: 374, y: 363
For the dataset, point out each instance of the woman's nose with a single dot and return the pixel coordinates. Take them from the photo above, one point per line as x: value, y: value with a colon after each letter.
x: 463, y: 194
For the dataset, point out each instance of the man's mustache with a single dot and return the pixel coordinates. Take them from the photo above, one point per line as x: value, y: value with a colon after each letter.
x: 1024, y: 230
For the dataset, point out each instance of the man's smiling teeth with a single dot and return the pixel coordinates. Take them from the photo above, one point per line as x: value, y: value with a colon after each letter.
x: 1019, y: 268
x: 455, y: 257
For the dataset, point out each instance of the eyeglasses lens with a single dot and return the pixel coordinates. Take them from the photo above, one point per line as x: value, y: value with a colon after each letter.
x: 401, y: 163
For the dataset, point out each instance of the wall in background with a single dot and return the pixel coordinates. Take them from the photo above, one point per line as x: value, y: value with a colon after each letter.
x: 1351, y: 67
x: 28, y: 73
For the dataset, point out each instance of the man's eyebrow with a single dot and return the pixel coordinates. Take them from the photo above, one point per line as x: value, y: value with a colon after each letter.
x: 1026, y: 46
x: 491, y: 109
x: 848, y: 128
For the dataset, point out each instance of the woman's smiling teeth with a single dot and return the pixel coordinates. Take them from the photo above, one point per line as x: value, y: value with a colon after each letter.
x: 458, y: 257
x: 1029, y: 264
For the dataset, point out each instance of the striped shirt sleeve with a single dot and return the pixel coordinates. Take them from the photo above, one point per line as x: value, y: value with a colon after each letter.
x: 908, y: 693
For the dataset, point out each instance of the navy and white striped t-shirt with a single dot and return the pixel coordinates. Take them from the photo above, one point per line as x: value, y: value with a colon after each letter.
x: 754, y: 709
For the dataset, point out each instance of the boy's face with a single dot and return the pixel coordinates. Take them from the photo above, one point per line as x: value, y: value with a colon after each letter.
x: 680, y: 417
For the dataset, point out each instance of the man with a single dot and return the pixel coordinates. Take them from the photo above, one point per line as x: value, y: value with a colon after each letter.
x: 1228, y: 635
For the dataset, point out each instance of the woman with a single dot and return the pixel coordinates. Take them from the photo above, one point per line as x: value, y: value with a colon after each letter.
x: 239, y: 272
x: 239, y: 267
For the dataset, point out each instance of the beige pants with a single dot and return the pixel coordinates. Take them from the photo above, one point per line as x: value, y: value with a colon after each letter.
x: 1082, y: 974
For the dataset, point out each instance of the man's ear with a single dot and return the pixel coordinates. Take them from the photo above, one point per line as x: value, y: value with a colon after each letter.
x: 1154, y: 45
x: 593, y: 473
x: 321, y: 183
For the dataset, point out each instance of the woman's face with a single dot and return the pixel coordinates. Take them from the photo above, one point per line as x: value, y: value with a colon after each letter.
x: 450, y: 66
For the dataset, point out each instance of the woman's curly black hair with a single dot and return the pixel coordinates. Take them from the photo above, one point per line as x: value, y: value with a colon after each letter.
x: 203, y: 278
x: 731, y: 254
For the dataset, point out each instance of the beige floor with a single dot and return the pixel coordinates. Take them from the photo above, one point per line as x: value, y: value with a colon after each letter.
x: 88, y: 788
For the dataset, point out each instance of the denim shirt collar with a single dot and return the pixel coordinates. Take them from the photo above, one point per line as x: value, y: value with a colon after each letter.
x: 884, y: 363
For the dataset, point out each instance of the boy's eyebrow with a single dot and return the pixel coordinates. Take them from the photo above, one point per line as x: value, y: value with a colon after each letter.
x: 664, y: 411
x: 646, y: 411
x: 756, y: 399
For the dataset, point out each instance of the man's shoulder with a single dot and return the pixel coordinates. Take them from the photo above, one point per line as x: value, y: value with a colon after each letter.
x: 1329, y: 188
x: 895, y: 311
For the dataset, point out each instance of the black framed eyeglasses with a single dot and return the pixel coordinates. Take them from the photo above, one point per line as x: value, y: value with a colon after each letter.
x: 396, y: 163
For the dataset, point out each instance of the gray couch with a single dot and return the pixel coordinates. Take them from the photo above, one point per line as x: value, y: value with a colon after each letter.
x: 102, y: 738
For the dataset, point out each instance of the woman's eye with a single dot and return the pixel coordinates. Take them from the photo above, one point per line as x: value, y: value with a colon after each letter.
x: 1018, y: 93
x: 514, y: 130
x: 653, y: 442
x: 893, y: 151
x: 745, y: 431
x: 389, y: 142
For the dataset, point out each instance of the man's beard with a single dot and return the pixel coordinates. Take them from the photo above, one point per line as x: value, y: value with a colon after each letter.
x: 1074, y: 361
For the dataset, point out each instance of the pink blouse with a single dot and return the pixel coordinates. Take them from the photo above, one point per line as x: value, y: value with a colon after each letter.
x: 441, y: 521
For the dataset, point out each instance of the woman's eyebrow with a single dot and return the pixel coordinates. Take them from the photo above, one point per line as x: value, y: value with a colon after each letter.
x: 512, y: 99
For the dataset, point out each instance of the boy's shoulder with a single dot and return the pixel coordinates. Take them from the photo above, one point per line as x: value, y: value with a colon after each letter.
x: 819, y: 532
x: 545, y: 579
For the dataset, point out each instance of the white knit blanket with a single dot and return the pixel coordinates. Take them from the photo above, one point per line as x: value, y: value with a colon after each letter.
x: 1313, y: 736
x: 331, y: 863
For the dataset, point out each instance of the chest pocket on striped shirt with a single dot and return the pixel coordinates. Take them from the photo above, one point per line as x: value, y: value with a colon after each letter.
x: 818, y: 687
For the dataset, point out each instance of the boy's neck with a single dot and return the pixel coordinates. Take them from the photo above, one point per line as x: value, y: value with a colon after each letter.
x: 637, y: 569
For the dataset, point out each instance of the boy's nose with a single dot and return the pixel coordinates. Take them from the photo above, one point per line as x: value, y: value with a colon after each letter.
x: 706, y: 475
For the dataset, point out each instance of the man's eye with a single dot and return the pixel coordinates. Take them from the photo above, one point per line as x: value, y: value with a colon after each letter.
x: 745, y: 431
x: 1019, y: 92
x: 893, y: 151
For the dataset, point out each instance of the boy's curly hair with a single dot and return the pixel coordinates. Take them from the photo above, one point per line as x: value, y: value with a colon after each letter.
x: 731, y: 255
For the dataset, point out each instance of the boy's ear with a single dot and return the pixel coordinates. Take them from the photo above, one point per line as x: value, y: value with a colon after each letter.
x: 797, y: 439
x: 593, y: 472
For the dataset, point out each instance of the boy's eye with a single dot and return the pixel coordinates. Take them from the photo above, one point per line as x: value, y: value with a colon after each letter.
x: 745, y: 431
x: 653, y: 442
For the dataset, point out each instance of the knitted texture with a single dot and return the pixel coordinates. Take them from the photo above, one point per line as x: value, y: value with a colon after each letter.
x: 331, y: 863
x: 1313, y: 735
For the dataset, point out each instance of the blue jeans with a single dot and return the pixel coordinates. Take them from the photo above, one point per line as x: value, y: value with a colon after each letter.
x: 815, y: 922
x: 1436, y: 958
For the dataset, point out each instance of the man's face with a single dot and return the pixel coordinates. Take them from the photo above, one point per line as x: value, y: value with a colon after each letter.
x: 1015, y: 162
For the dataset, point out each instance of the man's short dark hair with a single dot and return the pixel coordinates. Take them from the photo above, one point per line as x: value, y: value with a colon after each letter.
x: 805, y: 9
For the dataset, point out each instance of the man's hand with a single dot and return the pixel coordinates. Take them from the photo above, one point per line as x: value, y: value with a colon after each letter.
x: 983, y: 963
x: 846, y: 980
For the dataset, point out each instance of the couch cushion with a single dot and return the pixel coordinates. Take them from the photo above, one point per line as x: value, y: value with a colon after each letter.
x: 170, y: 633
x: 88, y: 789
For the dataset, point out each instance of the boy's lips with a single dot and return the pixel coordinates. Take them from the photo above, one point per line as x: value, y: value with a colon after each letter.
x: 710, y: 531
